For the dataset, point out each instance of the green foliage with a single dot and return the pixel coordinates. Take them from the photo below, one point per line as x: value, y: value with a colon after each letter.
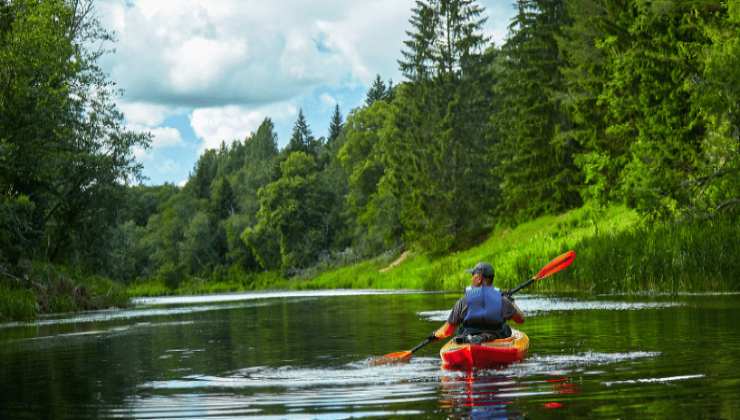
x: 43, y: 288
x: 533, y: 161
x: 379, y: 92
x: 302, y: 139
x: 17, y: 232
x: 62, y: 140
x: 294, y: 208
x: 436, y: 158
x: 16, y: 304
x: 372, y: 207
x: 170, y: 275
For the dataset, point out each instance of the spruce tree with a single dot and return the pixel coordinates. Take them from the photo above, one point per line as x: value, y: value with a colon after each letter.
x: 377, y: 91
x: 335, y: 126
x: 302, y: 139
x: 535, y: 165
x: 439, y: 163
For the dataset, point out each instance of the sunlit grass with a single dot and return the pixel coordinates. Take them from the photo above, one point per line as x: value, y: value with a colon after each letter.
x: 616, y: 252
x: 516, y: 254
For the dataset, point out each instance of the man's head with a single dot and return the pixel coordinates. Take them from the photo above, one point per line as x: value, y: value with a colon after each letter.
x: 482, y: 272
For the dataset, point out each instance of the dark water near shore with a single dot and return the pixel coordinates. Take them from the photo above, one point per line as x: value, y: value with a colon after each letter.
x: 304, y: 355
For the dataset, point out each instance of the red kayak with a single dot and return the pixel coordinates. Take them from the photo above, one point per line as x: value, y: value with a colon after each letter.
x: 487, y: 354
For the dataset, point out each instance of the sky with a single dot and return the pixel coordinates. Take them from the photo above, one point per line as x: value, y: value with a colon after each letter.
x: 196, y: 73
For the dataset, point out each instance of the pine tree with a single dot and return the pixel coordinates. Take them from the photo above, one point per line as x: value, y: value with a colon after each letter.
x: 417, y: 63
x: 335, y: 126
x: 602, y: 154
x: 302, y: 139
x: 377, y: 91
x: 535, y: 164
x: 650, y: 97
x: 439, y: 155
x: 223, y: 201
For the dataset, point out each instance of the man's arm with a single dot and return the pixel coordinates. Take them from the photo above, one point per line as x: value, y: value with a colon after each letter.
x: 456, y: 317
x: 511, y: 311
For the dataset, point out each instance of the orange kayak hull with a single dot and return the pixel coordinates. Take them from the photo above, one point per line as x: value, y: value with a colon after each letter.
x: 487, y: 354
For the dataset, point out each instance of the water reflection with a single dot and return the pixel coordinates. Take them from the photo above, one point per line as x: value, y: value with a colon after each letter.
x: 491, y: 393
x: 309, y: 357
x: 358, y: 387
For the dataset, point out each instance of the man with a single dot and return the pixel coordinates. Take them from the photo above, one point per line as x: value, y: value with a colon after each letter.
x: 482, y: 313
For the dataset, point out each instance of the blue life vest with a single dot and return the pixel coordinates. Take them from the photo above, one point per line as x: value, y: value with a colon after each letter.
x: 485, y: 307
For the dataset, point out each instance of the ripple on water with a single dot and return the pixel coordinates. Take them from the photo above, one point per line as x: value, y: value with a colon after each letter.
x: 360, y: 387
x: 356, y: 389
x: 231, y: 297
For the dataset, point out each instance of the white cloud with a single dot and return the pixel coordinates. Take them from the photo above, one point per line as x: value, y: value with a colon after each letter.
x: 198, y: 62
x: 144, y: 114
x: 229, y: 123
x: 228, y: 64
x: 327, y: 99
x: 165, y: 137
x: 141, y: 154
x: 212, y: 53
x: 143, y: 117
x: 249, y: 52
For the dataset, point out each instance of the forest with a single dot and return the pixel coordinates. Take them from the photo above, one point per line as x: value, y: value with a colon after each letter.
x: 588, y: 106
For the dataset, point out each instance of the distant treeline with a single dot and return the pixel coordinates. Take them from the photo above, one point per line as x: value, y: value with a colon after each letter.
x: 586, y: 102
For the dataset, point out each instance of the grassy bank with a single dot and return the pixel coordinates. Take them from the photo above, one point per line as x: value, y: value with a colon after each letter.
x: 46, y: 288
x: 617, y: 252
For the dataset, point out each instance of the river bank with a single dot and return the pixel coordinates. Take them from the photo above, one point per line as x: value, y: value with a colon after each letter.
x: 618, y: 252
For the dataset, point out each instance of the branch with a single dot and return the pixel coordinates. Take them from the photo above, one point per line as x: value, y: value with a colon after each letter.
x: 728, y: 203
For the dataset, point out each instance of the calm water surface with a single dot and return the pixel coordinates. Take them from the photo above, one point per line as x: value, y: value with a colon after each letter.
x: 308, y: 354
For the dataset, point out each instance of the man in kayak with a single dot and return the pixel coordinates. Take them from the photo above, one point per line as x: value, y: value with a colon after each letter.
x: 482, y: 313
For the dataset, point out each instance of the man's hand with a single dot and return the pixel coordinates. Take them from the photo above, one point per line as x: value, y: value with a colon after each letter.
x: 444, y: 331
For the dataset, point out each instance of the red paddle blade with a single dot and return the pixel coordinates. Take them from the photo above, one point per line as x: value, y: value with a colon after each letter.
x: 397, y: 357
x: 556, y: 265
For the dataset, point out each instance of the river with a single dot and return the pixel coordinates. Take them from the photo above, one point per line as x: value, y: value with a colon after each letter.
x: 309, y: 355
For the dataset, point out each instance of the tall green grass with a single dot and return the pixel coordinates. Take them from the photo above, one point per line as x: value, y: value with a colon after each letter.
x: 48, y: 288
x: 617, y: 251
x: 671, y: 257
x: 16, y: 304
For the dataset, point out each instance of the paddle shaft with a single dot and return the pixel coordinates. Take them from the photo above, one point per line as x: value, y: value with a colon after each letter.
x: 520, y: 287
x: 559, y: 263
x: 422, y: 344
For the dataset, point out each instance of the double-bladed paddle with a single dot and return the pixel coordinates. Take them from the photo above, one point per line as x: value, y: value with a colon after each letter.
x: 557, y: 264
